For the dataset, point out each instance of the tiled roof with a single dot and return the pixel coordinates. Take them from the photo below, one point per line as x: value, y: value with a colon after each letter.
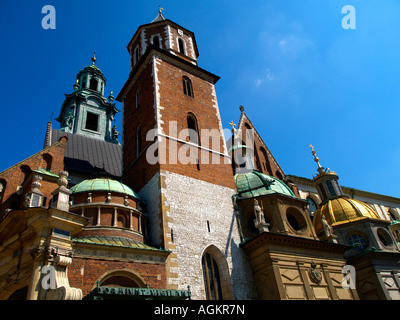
x: 115, y: 242
x: 90, y: 155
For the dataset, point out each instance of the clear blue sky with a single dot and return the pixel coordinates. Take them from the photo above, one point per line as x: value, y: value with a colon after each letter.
x: 301, y: 77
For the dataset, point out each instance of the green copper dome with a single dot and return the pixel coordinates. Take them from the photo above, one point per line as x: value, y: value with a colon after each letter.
x: 254, y: 184
x: 102, y: 184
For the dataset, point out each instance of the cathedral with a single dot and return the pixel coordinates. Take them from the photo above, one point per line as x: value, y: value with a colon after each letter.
x: 171, y: 209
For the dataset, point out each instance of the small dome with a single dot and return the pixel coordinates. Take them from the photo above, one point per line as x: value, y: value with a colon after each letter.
x: 342, y: 210
x: 100, y: 184
x: 254, y: 184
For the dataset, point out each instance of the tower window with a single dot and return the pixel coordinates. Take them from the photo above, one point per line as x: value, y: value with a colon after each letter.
x: 138, y: 141
x: 137, y: 99
x: 187, y: 86
x: 92, y: 121
x: 193, y: 128
x: 181, y: 45
x: 136, y: 56
x: 330, y: 188
x: 93, y: 84
x: 156, y: 41
x: 83, y: 86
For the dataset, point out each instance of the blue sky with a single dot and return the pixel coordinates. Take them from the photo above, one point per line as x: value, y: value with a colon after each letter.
x: 301, y: 77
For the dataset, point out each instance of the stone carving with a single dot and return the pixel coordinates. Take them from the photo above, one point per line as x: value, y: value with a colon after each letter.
x: 63, y: 181
x: 258, y: 212
x: 115, y: 133
x: 327, y: 228
x: 315, y: 273
x: 259, y: 221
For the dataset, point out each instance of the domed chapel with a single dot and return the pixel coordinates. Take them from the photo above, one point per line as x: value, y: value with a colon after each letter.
x: 92, y: 216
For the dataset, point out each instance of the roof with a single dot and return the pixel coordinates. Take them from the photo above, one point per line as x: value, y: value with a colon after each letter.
x: 115, y: 242
x: 90, y: 155
x: 254, y: 184
x: 103, y: 184
x: 342, y: 210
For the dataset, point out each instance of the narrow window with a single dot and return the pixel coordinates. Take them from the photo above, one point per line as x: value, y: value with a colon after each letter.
x: 187, y: 86
x: 138, y: 141
x: 83, y: 86
x: 181, y: 45
x: 193, y: 128
x: 136, y: 56
x: 156, y: 41
x: 93, y: 84
x: 137, y: 99
x: 92, y: 121
x: 330, y: 188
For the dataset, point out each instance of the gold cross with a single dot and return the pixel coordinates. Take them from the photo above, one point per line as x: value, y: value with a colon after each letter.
x: 233, y: 126
x: 316, y: 159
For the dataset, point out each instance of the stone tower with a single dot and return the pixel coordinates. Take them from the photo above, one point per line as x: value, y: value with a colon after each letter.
x: 175, y: 157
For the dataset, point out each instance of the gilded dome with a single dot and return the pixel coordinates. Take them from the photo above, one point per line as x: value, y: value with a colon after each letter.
x: 342, y: 210
x: 102, y: 184
x: 254, y: 184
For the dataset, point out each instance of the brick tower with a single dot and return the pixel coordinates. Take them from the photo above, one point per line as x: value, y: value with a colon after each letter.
x: 175, y: 157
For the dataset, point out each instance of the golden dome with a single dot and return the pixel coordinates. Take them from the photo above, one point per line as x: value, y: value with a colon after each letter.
x: 342, y: 210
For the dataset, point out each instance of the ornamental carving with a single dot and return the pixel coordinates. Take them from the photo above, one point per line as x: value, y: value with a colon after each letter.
x: 315, y: 273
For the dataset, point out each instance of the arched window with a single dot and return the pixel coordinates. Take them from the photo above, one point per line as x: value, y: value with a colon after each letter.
x: 93, y: 84
x: 121, y: 221
x: 138, y: 141
x: 193, y: 128
x: 136, y: 55
x: 181, y: 45
x: 83, y: 83
x: 47, y: 159
x: 265, y: 162
x: 25, y: 171
x: 156, y: 41
x: 187, y: 87
x: 212, y: 277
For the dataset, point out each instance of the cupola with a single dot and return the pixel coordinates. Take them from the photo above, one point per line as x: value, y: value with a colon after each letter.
x: 112, y: 207
x: 86, y: 111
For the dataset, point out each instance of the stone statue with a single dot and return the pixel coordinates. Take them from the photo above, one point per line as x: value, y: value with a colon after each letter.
x: 115, y: 133
x: 327, y: 228
x: 258, y: 212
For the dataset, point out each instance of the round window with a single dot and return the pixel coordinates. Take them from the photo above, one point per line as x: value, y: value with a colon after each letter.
x: 296, y: 219
x: 358, y: 242
x: 384, y: 237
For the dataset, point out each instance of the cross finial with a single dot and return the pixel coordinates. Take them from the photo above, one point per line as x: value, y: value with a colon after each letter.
x: 316, y: 159
x: 233, y: 126
x: 94, y: 58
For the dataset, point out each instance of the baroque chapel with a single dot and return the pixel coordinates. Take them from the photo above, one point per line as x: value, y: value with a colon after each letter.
x: 175, y: 210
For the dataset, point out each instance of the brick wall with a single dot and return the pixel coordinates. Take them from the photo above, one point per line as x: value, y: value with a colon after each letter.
x: 84, y: 272
x: 14, y: 176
